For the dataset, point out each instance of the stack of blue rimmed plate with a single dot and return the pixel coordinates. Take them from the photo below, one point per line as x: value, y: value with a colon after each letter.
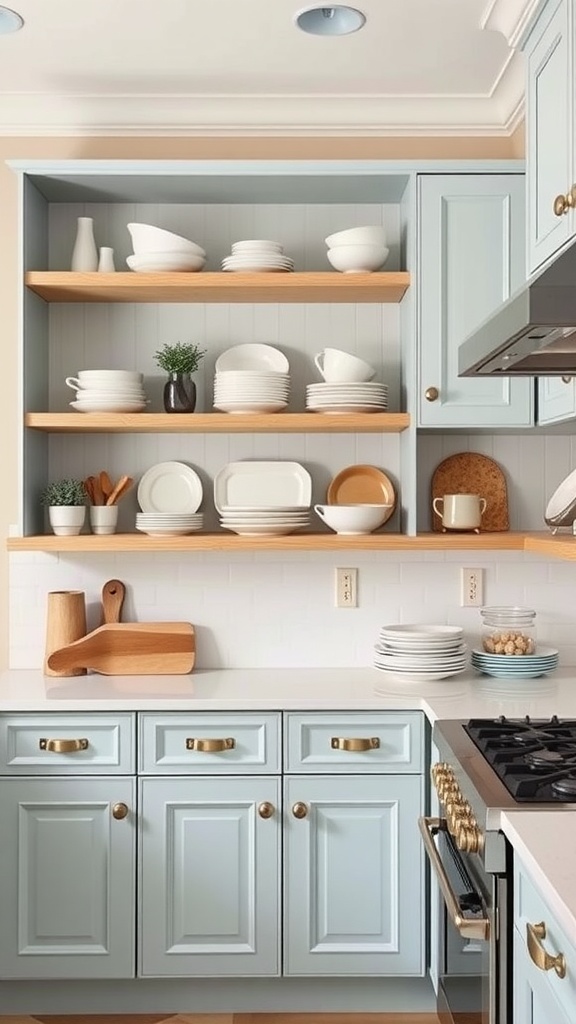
x: 521, y: 666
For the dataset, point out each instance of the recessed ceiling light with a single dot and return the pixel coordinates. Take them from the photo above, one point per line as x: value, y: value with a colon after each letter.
x: 330, y: 21
x: 10, y: 21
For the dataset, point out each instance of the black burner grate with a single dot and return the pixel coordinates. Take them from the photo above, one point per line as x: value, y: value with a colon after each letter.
x: 534, y: 758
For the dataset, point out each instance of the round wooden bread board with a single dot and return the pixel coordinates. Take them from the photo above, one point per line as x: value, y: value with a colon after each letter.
x: 472, y: 473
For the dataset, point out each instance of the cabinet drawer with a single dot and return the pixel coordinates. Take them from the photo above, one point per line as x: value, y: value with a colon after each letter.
x: 531, y: 908
x: 209, y: 743
x: 67, y: 744
x: 371, y: 742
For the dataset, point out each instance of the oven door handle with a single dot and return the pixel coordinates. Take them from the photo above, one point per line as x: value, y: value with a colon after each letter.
x: 468, y: 928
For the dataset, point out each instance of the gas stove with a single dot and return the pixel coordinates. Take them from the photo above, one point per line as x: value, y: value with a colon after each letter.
x: 534, y: 758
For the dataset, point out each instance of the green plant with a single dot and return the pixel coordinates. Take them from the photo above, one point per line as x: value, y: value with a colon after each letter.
x: 64, y: 492
x: 180, y: 358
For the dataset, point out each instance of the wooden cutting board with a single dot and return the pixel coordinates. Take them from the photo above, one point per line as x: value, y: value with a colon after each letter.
x: 131, y: 648
x: 472, y: 473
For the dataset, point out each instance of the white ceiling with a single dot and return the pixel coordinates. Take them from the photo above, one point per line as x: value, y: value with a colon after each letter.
x: 241, y: 66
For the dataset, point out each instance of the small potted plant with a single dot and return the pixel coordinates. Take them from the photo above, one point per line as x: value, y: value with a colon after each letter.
x: 66, y: 503
x: 180, y: 361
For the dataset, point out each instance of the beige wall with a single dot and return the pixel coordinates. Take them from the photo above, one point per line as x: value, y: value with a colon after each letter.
x: 410, y: 148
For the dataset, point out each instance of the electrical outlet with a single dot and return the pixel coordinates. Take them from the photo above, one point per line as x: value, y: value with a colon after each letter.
x: 472, y: 588
x: 346, y: 588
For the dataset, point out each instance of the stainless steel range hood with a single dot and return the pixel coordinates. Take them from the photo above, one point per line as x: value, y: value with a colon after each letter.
x: 533, y: 334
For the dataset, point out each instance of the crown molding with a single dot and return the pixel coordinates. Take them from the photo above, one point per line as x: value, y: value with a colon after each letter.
x: 233, y: 115
x: 510, y: 17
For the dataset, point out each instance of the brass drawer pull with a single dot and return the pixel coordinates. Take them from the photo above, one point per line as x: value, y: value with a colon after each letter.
x: 300, y: 809
x: 535, y: 933
x: 354, y: 744
x: 119, y: 811
x: 266, y: 809
x: 210, y: 746
x: 63, y: 746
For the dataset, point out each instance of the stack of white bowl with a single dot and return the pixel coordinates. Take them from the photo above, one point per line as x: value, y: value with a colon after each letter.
x: 160, y: 251
x: 257, y: 255
x: 357, y: 250
x: 166, y: 524
x: 239, y: 391
x: 420, y: 653
x: 108, y: 391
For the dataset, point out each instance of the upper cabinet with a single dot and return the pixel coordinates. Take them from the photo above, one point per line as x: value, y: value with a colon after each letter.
x: 470, y: 259
x: 551, y: 136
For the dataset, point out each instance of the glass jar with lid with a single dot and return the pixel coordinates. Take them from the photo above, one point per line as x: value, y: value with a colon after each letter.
x: 508, y: 630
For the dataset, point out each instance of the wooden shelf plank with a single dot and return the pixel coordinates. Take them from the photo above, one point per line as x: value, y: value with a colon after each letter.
x: 217, y: 423
x: 312, y: 286
x: 293, y: 542
x: 560, y: 545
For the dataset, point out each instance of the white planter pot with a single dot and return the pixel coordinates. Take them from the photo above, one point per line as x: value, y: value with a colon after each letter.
x: 66, y: 520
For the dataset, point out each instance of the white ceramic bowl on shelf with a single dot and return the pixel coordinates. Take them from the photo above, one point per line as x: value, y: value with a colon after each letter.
x: 357, y: 259
x: 146, y: 238
x: 358, y: 236
x: 351, y: 520
x: 165, y: 262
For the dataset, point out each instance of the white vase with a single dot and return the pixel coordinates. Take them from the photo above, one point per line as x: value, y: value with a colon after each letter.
x: 84, y: 253
x: 106, y: 261
x: 67, y: 520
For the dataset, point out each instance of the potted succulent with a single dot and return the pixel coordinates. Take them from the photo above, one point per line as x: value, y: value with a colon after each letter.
x: 66, y: 503
x: 180, y: 361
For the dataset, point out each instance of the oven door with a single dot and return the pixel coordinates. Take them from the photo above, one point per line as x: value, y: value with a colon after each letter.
x: 468, y: 983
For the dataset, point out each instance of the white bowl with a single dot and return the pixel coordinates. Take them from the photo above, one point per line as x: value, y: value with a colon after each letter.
x: 147, y: 239
x: 358, y: 236
x: 162, y: 262
x: 357, y: 259
x: 351, y: 520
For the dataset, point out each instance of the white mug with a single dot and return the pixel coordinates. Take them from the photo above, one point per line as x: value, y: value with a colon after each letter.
x: 103, y: 518
x: 460, y: 511
x: 342, y: 367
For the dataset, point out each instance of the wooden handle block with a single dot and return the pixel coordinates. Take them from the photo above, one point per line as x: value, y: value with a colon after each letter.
x: 65, y: 623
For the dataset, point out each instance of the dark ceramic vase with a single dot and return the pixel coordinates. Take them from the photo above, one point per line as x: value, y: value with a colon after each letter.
x: 179, y: 393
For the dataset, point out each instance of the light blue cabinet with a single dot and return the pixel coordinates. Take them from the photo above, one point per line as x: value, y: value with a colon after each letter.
x: 556, y: 399
x: 544, y: 959
x: 470, y: 259
x: 67, y: 878
x: 354, y: 878
x: 209, y: 877
x: 550, y: 136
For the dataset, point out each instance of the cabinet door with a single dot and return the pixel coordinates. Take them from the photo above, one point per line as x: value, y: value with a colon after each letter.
x: 354, y: 902
x: 209, y: 873
x: 533, y: 1001
x: 67, y: 885
x: 471, y: 258
x: 556, y: 399
x: 549, y: 102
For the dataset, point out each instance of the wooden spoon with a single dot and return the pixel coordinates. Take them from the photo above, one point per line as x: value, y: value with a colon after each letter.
x: 98, y: 493
x: 123, y: 484
x: 106, y: 485
x: 89, y: 488
x: 113, y: 594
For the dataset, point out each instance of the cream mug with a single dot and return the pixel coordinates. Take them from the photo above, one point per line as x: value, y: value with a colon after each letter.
x: 341, y: 367
x: 460, y: 511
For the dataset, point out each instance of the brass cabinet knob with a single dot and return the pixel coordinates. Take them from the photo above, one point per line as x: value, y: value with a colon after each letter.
x: 63, y: 746
x: 431, y: 394
x: 299, y: 809
x: 266, y: 809
x: 210, y: 746
x: 119, y: 811
x: 535, y: 933
x: 354, y: 743
x: 560, y: 205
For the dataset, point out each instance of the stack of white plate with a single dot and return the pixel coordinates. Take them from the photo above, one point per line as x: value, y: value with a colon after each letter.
x: 420, y: 653
x: 369, y: 396
x: 521, y: 666
x: 169, y: 495
x: 108, y: 391
x: 251, y: 390
x: 167, y: 525
x: 264, y: 521
x: 257, y: 255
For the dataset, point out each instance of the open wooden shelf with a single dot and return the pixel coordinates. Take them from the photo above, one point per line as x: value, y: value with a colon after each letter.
x: 559, y: 545
x: 217, y: 423
x: 312, y: 286
x: 293, y: 542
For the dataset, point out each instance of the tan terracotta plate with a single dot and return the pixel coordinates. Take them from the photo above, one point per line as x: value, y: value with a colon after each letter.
x: 362, y: 485
x: 473, y: 473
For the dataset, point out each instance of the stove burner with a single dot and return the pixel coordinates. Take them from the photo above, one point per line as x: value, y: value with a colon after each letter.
x: 565, y: 787
x: 543, y: 758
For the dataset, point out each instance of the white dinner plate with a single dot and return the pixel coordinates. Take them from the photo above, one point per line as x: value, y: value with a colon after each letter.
x: 250, y: 405
x: 334, y: 410
x: 113, y: 405
x: 170, y: 487
x: 268, y: 484
x: 260, y: 531
x: 253, y: 356
x: 564, y: 496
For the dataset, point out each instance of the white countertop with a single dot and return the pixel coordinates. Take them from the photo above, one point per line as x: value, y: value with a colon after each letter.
x: 544, y: 840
